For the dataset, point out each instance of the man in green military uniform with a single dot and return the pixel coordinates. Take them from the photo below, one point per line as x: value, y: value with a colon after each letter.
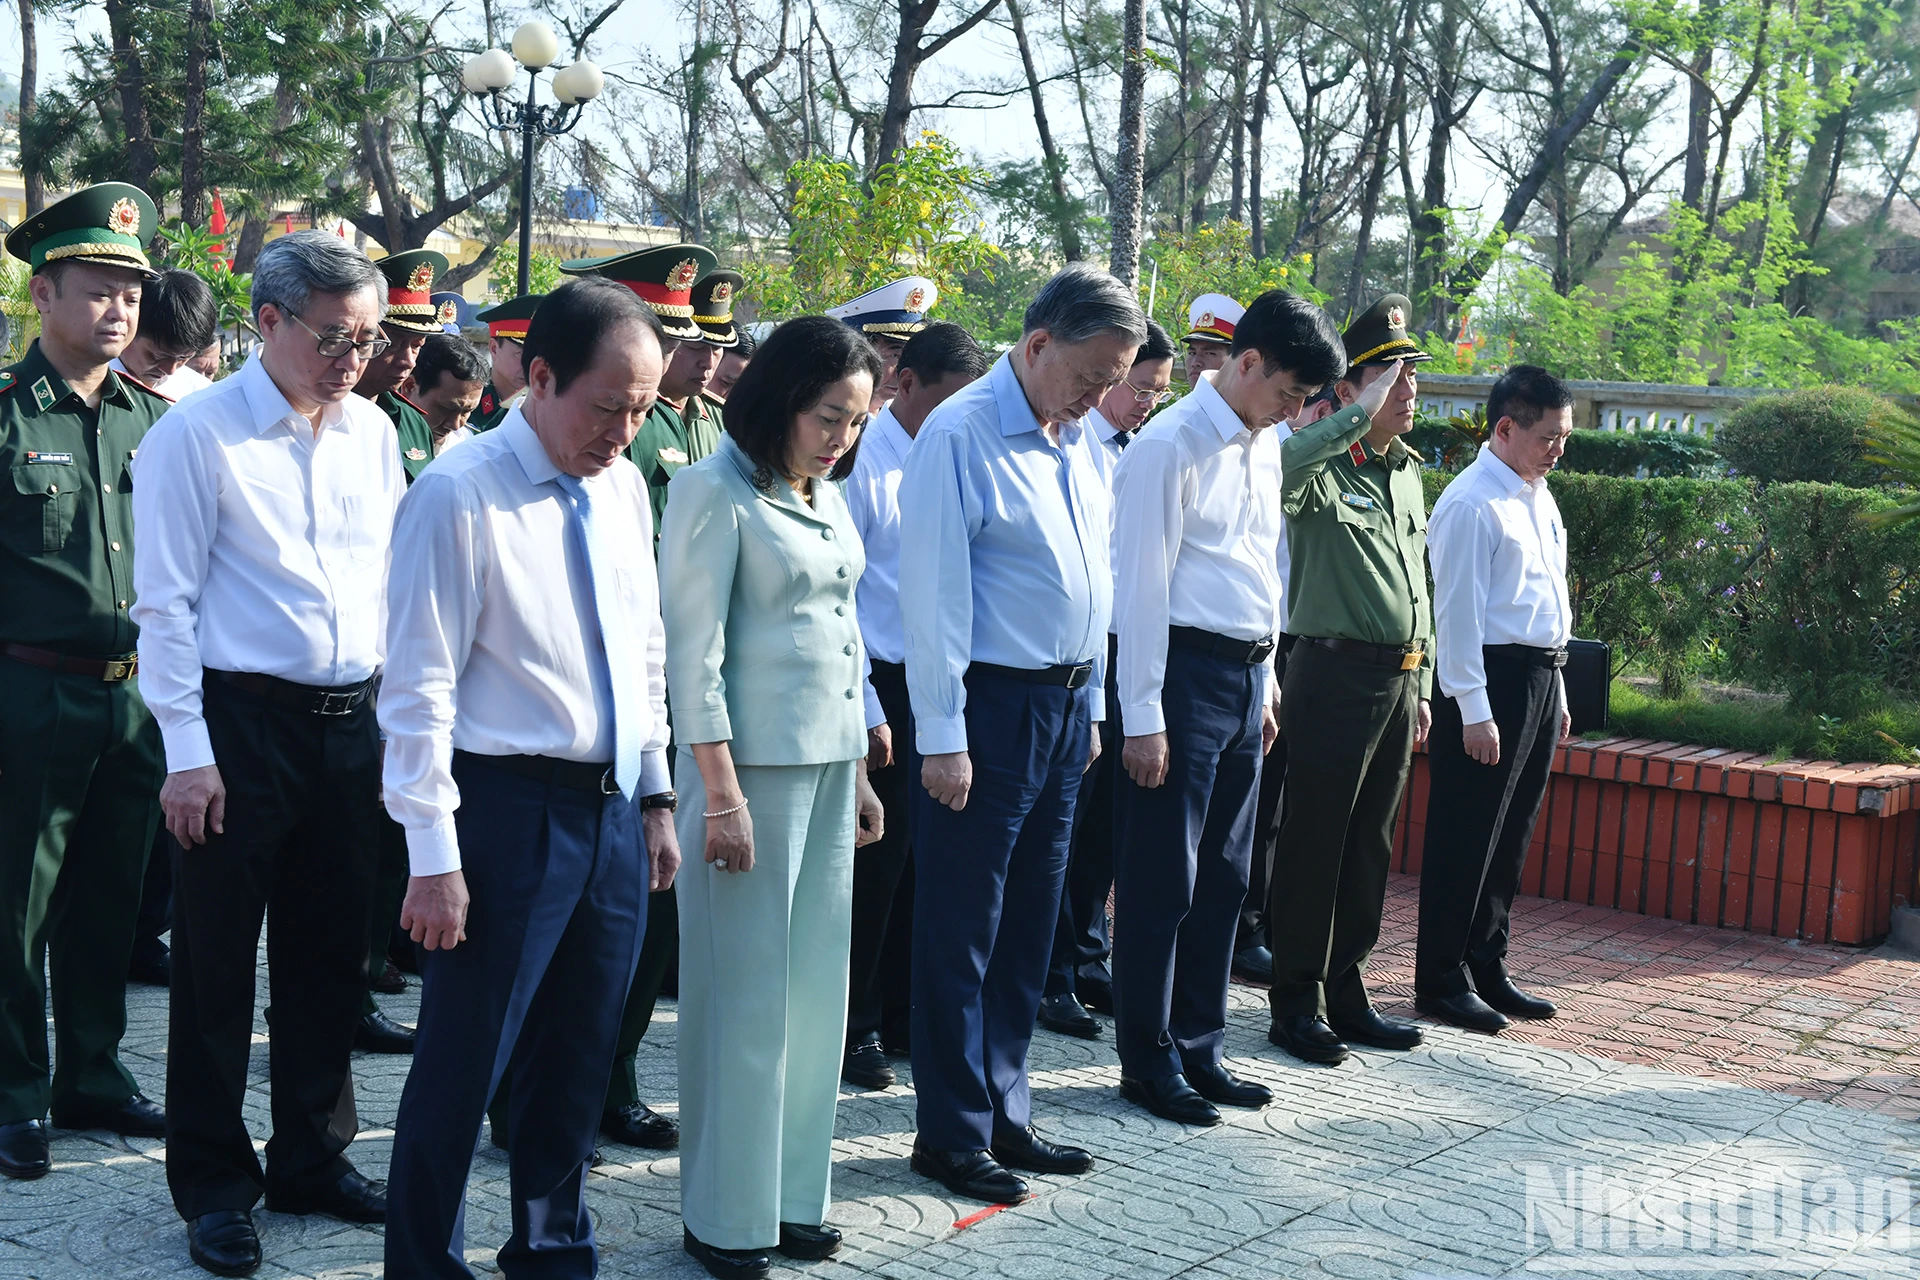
x: 506, y: 329
x: 1356, y: 688
x: 80, y: 755
x: 411, y: 317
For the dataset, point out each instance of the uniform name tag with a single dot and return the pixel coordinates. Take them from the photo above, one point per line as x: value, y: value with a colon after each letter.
x: 52, y: 459
x: 673, y: 455
x: 1360, y: 501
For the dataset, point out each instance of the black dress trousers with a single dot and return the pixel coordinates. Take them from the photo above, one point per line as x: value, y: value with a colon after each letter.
x: 882, y: 894
x: 1480, y: 821
x: 300, y: 845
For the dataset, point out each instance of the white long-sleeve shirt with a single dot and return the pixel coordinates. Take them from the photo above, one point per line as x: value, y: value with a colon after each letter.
x: 495, y: 644
x: 263, y: 547
x: 1196, y: 536
x: 873, y: 499
x: 1499, y: 555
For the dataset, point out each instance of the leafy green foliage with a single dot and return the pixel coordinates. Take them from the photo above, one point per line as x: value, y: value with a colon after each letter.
x: 543, y: 272
x: 202, y: 252
x: 1216, y: 259
x: 1882, y: 735
x: 1651, y: 454
x: 1818, y: 435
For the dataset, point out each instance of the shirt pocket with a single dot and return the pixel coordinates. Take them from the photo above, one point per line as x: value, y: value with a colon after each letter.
x: 45, y: 497
x: 356, y: 529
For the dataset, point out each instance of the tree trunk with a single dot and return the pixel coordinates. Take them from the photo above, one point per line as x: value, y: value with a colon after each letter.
x: 1256, y: 142
x: 193, y: 105
x: 1428, y: 224
x: 253, y: 236
x: 1067, y: 225
x: 30, y: 175
x: 692, y: 214
x: 1236, y: 205
x: 1129, y: 168
x: 1380, y: 135
x: 130, y: 79
x: 1693, y: 177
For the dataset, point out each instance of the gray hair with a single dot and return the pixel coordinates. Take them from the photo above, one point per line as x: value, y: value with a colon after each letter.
x: 292, y: 268
x: 1083, y: 302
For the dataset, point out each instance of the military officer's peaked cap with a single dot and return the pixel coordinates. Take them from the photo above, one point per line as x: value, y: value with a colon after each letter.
x: 713, y: 296
x: 663, y: 276
x: 1378, y: 335
x: 1211, y: 318
x: 410, y: 278
x: 894, y: 310
x: 510, y: 319
x: 108, y: 224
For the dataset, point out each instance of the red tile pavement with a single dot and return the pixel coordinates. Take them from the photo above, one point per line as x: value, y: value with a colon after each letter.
x: 1818, y: 1021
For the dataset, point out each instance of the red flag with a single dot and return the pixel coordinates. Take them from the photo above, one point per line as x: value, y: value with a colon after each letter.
x: 217, y: 224
x: 289, y: 224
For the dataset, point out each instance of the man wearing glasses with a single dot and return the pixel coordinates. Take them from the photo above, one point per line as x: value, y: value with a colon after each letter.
x: 1078, y: 978
x: 264, y: 507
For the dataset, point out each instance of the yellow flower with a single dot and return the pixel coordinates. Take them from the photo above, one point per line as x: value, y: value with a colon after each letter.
x: 926, y: 208
x: 1283, y: 273
x: 1306, y: 257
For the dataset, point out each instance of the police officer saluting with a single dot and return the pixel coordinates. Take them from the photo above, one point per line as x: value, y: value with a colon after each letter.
x: 411, y: 316
x: 1356, y: 689
x: 80, y: 757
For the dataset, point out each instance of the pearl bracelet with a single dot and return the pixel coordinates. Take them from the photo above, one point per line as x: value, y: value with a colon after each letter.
x: 721, y: 813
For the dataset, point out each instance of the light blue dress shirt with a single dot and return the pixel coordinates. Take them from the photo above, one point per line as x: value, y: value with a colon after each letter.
x: 1003, y: 551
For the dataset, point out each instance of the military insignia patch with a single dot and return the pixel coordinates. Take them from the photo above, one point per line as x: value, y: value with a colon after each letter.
x: 124, y: 217
x: 681, y: 278
x: 722, y: 294
x: 448, y: 312
x: 676, y: 456
x: 1206, y: 320
x: 1396, y: 318
x: 422, y: 277
x: 415, y: 455
x: 1358, y: 452
x: 43, y: 393
x: 915, y: 297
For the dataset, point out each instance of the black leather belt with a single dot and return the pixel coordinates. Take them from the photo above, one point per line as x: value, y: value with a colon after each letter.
x: 1405, y: 657
x: 109, y: 669
x: 1527, y: 653
x: 575, y: 775
x: 892, y: 668
x: 301, y: 697
x: 1071, y: 675
x: 1212, y: 643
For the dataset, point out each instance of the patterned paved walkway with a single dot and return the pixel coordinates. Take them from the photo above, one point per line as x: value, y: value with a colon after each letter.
x: 1707, y: 1103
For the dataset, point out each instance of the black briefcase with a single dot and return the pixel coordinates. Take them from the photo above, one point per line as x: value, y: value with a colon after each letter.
x: 1589, y: 681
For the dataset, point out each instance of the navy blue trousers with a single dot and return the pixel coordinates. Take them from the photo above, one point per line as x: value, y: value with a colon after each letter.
x: 558, y: 882
x: 1180, y: 868
x: 1081, y: 945
x: 986, y: 896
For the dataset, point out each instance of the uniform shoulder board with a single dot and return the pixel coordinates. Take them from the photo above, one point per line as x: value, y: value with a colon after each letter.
x: 133, y: 381
x: 410, y: 404
x: 8, y: 382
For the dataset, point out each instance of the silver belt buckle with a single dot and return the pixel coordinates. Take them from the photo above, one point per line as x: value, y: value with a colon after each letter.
x: 334, y: 703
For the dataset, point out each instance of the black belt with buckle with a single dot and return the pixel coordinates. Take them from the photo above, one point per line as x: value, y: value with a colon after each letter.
x: 1212, y: 643
x: 1070, y: 675
x: 1529, y: 654
x: 1404, y: 657
x: 313, y: 699
x: 112, y: 670
x: 575, y: 775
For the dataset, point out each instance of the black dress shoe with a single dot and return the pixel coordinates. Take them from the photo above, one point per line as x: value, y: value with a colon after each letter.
x: 1376, y: 1032
x: 865, y: 1066
x: 1064, y: 1013
x: 377, y: 1033
x: 1464, y: 1010
x: 1028, y: 1150
x: 1170, y: 1098
x: 388, y: 982
x: 1220, y: 1086
x: 973, y: 1174
x: 798, y: 1240
x: 1254, y: 964
x: 1094, y: 993
x: 1309, y: 1039
x: 23, y: 1150
x: 1499, y: 994
x: 134, y: 1118
x: 638, y: 1125
x: 224, y: 1242
x: 154, y: 969
x: 726, y: 1263
x: 354, y: 1198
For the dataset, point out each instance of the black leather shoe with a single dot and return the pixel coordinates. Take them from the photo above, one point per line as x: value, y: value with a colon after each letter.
x: 1170, y: 1098
x: 1223, y: 1088
x: 1028, y: 1150
x: 1499, y: 994
x: 638, y: 1125
x: 1064, y: 1013
x: 1254, y: 964
x: 1309, y: 1039
x: 1375, y: 1031
x: 23, y: 1150
x: 865, y: 1066
x: 354, y: 1198
x: 377, y: 1033
x: 1094, y: 993
x: 388, y: 982
x: 726, y: 1263
x: 797, y: 1240
x: 1464, y: 1010
x: 224, y: 1242
x: 973, y: 1174
x: 154, y: 969
x: 134, y: 1118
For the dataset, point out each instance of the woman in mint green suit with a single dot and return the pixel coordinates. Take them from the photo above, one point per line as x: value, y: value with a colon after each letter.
x: 758, y: 562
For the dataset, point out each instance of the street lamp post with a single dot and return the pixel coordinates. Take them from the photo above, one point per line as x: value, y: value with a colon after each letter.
x: 489, y: 75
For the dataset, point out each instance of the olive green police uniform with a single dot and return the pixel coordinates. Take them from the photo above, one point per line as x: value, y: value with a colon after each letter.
x: 80, y: 756
x: 1356, y: 527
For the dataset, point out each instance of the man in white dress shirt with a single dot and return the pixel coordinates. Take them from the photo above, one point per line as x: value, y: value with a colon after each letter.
x: 935, y: 363
x: 1502, y: 620
x: 264, y: 508
x: 1196, y: 539
x: 526, y: 720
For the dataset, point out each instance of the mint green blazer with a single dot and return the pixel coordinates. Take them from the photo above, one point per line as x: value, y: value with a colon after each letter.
x: 756, y: 588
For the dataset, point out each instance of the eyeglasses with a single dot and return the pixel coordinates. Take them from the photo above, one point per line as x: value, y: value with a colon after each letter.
x: 1150, y: 397
x: 334, y: 345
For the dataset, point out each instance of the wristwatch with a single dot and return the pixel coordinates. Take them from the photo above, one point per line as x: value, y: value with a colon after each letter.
x: 660, y: 800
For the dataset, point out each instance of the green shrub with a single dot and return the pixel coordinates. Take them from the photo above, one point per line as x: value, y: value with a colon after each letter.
x: 1817, y: 435
x: 1880, y: 736
x: 1633, y: 453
